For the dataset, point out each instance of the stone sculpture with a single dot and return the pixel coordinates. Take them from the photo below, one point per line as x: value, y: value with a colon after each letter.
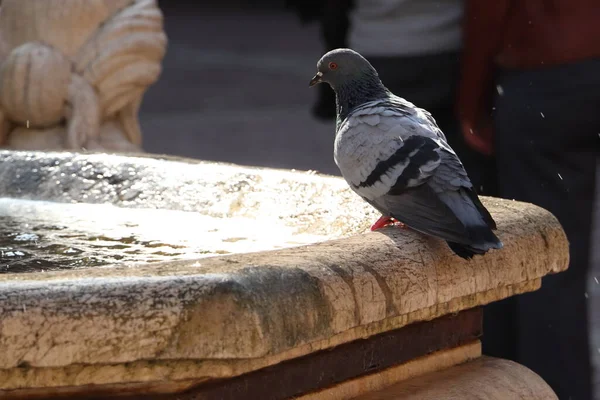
x: 73, y: 72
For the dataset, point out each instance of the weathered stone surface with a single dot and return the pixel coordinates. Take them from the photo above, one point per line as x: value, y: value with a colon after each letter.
x: 350, y: 361
x: 185, y: 321
x: 485, y: 378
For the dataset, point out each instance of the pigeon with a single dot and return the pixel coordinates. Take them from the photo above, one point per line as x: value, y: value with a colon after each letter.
x: 394, y: 156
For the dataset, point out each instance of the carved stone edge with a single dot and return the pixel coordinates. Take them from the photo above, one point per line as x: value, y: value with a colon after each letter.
x: 484, y: 377
x: 433, y: 362
x: 169, y: 376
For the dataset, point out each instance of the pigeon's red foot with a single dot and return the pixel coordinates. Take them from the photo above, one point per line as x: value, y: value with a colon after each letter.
x: 381, y: 222
x: 385, y: 221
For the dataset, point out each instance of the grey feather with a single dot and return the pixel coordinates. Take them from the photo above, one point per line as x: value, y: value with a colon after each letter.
x: 394, y: 156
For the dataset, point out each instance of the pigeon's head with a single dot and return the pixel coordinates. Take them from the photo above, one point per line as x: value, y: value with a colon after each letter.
x: 341, y: 66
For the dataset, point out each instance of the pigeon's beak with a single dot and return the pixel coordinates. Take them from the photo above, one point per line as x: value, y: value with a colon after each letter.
x: 316, y: 79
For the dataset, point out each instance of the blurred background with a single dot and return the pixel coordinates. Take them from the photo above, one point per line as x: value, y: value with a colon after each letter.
x: 235, y: 89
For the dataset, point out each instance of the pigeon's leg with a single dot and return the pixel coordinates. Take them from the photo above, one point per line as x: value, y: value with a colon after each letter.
x: 381, y: 222
x: 385, y: 221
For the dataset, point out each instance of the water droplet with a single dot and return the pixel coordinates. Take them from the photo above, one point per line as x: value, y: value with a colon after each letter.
x: 500, y: 90
x: 15, y: 253
x: 596, y: 279
x: 586, y: 295
x: 26, y: 237
x: 542, y: 114
x: 71, y: 250
x: 560, y: 176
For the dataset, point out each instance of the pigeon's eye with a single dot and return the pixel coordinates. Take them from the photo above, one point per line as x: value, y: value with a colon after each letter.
x: 333, y: 65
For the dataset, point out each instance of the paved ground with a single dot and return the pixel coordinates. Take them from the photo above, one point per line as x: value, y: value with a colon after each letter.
x: 235, y: 88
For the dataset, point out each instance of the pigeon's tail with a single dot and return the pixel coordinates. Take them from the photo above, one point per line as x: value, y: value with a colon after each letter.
x: 479, y: 226
x: 469, y: 250
x: 463, y: 250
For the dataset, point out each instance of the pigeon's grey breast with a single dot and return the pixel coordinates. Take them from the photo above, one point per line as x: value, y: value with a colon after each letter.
x: 376, y: 143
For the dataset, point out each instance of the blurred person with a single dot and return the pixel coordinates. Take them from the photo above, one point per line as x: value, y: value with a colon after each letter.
x: 415, y: 45
x: 530, y: 93
x: 333, y: 16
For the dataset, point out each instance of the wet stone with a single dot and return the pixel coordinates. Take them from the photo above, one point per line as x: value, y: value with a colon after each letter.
x: 37, y: 236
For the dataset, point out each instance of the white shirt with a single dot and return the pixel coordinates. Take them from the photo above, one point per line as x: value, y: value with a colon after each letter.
x: 406, y: 27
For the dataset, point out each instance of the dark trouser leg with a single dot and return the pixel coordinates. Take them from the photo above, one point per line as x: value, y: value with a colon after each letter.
x: 547, y: 124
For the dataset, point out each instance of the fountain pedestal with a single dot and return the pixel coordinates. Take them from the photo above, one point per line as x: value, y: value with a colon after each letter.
x: 330, y: 311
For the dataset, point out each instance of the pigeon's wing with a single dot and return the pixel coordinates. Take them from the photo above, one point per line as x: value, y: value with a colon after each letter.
x: 451, y: 179
x: 422, y: 210
x: 444, y: 205
x: 431, y: 206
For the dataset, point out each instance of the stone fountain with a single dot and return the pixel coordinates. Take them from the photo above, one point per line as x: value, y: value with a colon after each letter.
x: 171, y: 278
